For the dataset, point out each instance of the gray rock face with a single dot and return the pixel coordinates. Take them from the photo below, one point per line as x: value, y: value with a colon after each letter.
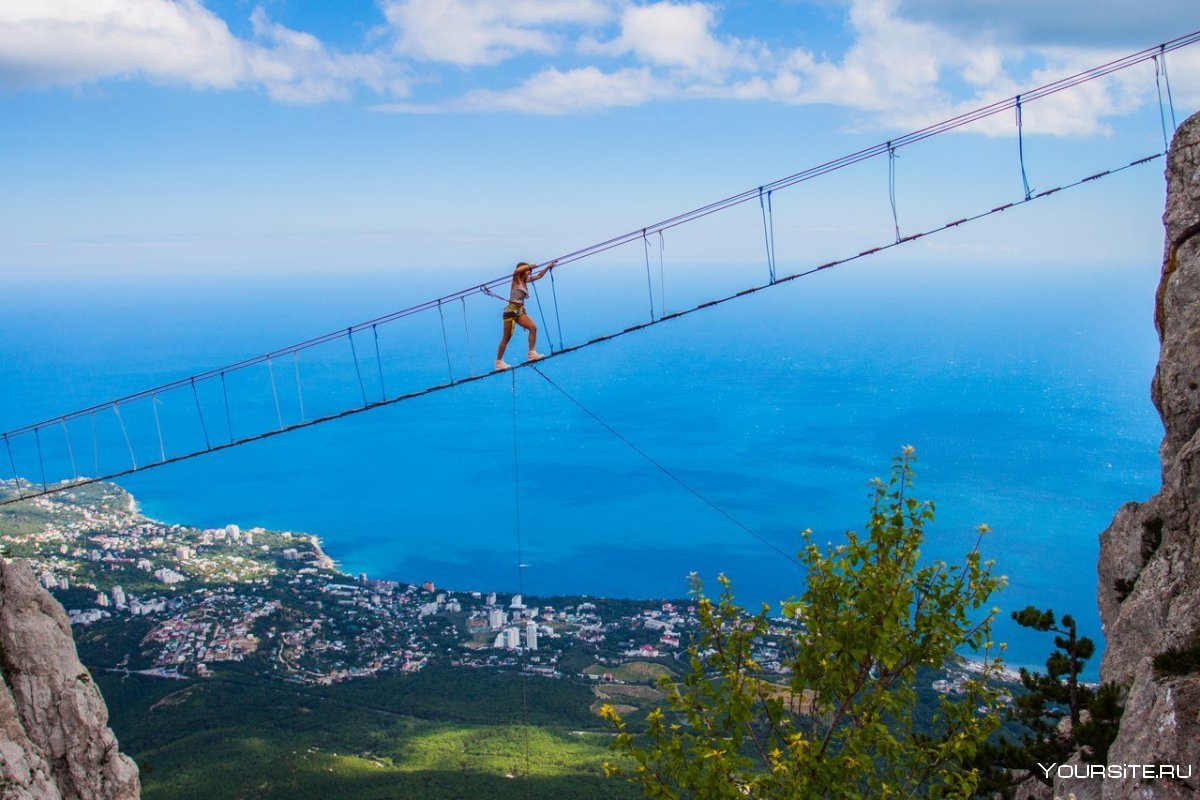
x: 1149, y: 568
x: 54, y: 736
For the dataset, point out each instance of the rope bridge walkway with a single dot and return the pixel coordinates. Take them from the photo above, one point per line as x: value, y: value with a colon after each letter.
x: 345, y: 372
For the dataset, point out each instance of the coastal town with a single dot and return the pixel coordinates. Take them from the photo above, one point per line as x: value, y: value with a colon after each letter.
x: 184, y: 602
x: 274, y: 601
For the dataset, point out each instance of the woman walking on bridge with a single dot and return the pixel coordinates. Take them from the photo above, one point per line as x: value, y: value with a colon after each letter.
x: 514, y: 312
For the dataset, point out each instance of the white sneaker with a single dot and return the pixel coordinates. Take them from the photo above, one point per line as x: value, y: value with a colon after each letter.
x: 501, y: 365
x: 534, y: 355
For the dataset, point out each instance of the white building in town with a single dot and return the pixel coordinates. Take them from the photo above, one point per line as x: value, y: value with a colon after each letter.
x: 531, y: 635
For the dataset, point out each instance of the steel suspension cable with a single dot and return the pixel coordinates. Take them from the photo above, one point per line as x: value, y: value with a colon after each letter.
x: 598, y: 339
x: 833, y: 165
x: 520, y: 570
x: 664, y: 470
x: 557, y: 318
x: 892, y: 188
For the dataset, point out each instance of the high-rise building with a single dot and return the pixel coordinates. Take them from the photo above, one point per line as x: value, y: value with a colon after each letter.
x: 118, y: 596
x: 512, y: 638
x: 497, y: 619
x: 531, y: 635
x: 491, y: 598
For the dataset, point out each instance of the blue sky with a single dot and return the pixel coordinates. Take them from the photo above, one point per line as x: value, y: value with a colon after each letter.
x: 181, y: 137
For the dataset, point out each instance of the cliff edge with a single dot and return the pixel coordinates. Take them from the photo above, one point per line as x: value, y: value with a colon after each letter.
x: 1149, y: 568
x: 54, y: 736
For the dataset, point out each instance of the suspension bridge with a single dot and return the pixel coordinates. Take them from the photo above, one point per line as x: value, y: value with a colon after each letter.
x: 352, y: 370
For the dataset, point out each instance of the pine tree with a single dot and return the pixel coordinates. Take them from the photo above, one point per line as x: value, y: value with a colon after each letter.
x: 871, y: 614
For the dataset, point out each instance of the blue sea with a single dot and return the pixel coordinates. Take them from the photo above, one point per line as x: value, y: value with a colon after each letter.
x: 1024, y: 389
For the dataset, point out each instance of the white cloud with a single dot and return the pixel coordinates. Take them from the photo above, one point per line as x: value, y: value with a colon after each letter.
x: 908, y: 62
x: 905, y: 74
x: 674, y: 35
x: 48, y: 42
x: 478, y: 32
x: 296, y: 67
x: 74, y: 42
x: 554, y: 92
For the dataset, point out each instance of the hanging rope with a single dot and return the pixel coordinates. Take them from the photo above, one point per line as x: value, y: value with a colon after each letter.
x: 299, y: 386
x: 768, y: 231
x: 275, y: 392
x: 162, y: 450
x: 445, y: 341
x: 199, y: 413
x: 662, y: 275
x: 649, y: 285
x: 362, y: 387
x: 687, y: 486
x: 466, y: 330
x: 557, y: 318
x: 12, y: 462
x: 379, y: 363
x: 125, y: 433
x: 1021, y: 149
x: 70, y: 451
x: 95, y: 445
x: 542, y: 316
x: 1162, y: 111
x: 41, y: 464
x: 228, y: 416
x: 771, y: 221
x: 892, y: 188
x: 1162, y: 54
x: 520, y: 568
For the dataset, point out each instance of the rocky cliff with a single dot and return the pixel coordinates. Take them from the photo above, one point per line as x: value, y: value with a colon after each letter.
x: 54, y: 736
x: 1149, y: 567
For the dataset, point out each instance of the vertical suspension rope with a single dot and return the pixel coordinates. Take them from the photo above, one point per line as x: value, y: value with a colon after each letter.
x: 520, y: 564
x: 70, y: 450
x: 299, y: 387
x: 132, y: 458
x: 1162, y: 48
x: 200, y: 413
x: 537, y: 299
x: 162, y: 450
x: 771, y: 222
x: 768, y: 234
x: 379, y: 363
x: 649, y: 285
x: 662, y: 275
x: 1162, y: 112
x: 41, y: 465
x: 362, y: 387
x: 1021, y: 149
x: 892, y: 188
x: 12, y: 463
x: 467, y: 331
x: 557, y: 318
x: 445, y: 341
x: 228, y: 417
x: 275, y: 393
x: 95, y: 446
